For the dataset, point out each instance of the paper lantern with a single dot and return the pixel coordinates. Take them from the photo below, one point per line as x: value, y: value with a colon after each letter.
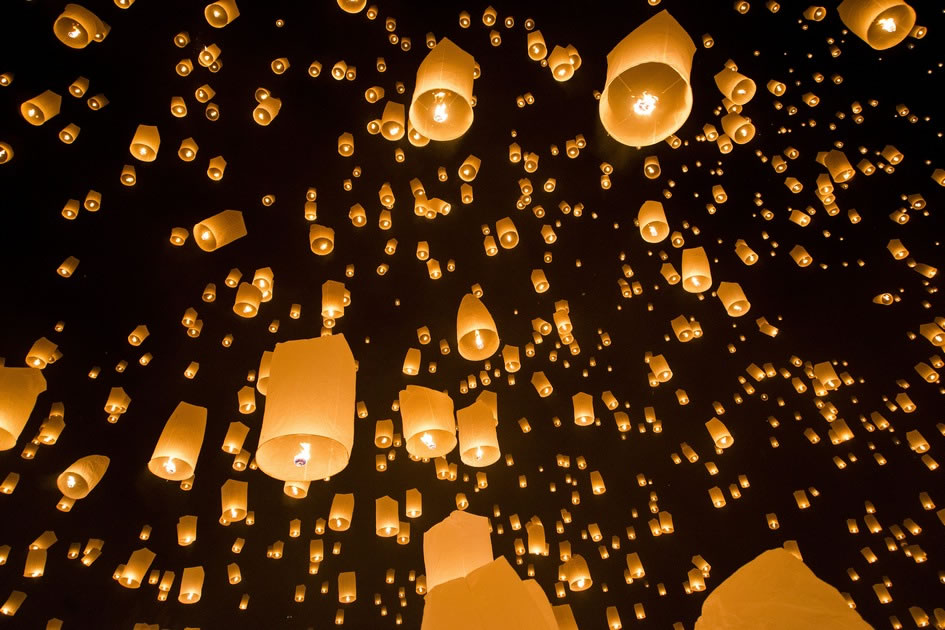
x: 777, y: 591
x: 191, y: 585
x: 541, y: 384
x: 136, y: 568
x: 583, y: 409
x: 296, y: 489
x: 178, y: 447
x: 386, y: 521
x: 719, y: 433
x: 233, y: 497
x: 308, y: 426
x: 248, y: 298
x: 734, y: 86
x: 77, y: 27
x: 738, y: 128
x: 476, y: 334
x: 577, y: 573
x: 347, y: 587
x: 455, y: 547
x: 733, y: 298
x: 321, y: 239
x: 652, y: 220
x: 267, y: 110
x: 13, y: 603
x: 352, y: 6
x: 145, y: 143
x: 6, y: 153
x: 441, y: 106
x: 647, y: 95
x: 413, y: 504
x: 19, y: 388
x: 79, y: 479
x: 221, y: 13
x: 41, y: 108
x: 221, y: 229
x: 880, y: 23
x: 478, y: 442
x: 696, y: 276
x: 341, y: 512
x: 392, y: 121
x: 428, y: 423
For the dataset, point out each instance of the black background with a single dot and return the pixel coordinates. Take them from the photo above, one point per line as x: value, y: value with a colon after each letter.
x: 129, y: 274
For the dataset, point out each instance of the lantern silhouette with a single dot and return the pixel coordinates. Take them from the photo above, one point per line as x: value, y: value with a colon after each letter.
x: 308, y: 426
x: 178, y: 447
x: 880, y: 23
x: 79, y: 479
x: 77, y: 27
x: 429, y: 426
x: 441, y: 106
x: 478, y: 442
x: 19, y: 388
x: 476, y: 335
x: 221, y: 229
x: 647, y: 95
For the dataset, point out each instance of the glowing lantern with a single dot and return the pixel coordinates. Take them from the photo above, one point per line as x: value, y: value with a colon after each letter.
x: 441, y: 107
x: 733, y: 298
x: 321, y: 239
x: 476, y: 334
x: 478, y: 442
x: 719, y: 432
x: 386, y: 521
x: 652, y: 220
x: 77, y: 27
x: 341, y: 512
x: 880, y: 23
x: 178, y: 447
x: 392, y: 121
x: 221, y: 229
x: 583, y: 409
x: 145, y: 144
x: 308, y: 425
x: 19, y: 388
x: 79, y: 479
x: 233, y: 497
x: 41, y: 108
x: 696, y: 277
x: 191, y: 585
x: 455, y: 547
x: 428, y: 422
x: 734, y: 86
x: 646, y: 95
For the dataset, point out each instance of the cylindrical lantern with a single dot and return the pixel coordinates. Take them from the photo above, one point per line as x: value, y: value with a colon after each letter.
x: 386, y: 520
x: 191, y: 585
x: 235, y: 436
x: 441, y: 107
x: 647, y: 95
x: 178, y: 447
x: 428, y: 423
x: 145, y: 144
x: 78, y: 480
x: 478, y: 442
x: 392, y: 121
x: 476, y: 334
x: 77, y: 27
x: 41, y: 108
x: 719, y: 432
x: 321, y: 239
x: 652, y: 220
x: 186, y: 530
x: 233, y: 500
x: 735, y: 86
x: 880, y: 23
x: 248, y: 298
x: 347, y: 587
x: 19, y: 388
x: 221, y: 13
x: 136, y: 568
x: 583, y: 409
x: 733, y: 298
x: 696, y: 276
x: 341, y: 512
x: 308, y: 426
x: 219, y: 230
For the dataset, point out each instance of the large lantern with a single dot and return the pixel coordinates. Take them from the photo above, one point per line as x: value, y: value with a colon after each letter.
x: 175, y: 456
x: 77, y: 27
x: 646, y: 95
x: 19, y: 388
x: 441, y: 107
x: 308, y: 427
x: 455, y: 547
x: 880, y: 23
x: 429, y: 425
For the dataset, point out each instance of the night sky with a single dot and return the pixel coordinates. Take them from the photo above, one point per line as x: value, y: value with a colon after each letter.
x: 130, y: 274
